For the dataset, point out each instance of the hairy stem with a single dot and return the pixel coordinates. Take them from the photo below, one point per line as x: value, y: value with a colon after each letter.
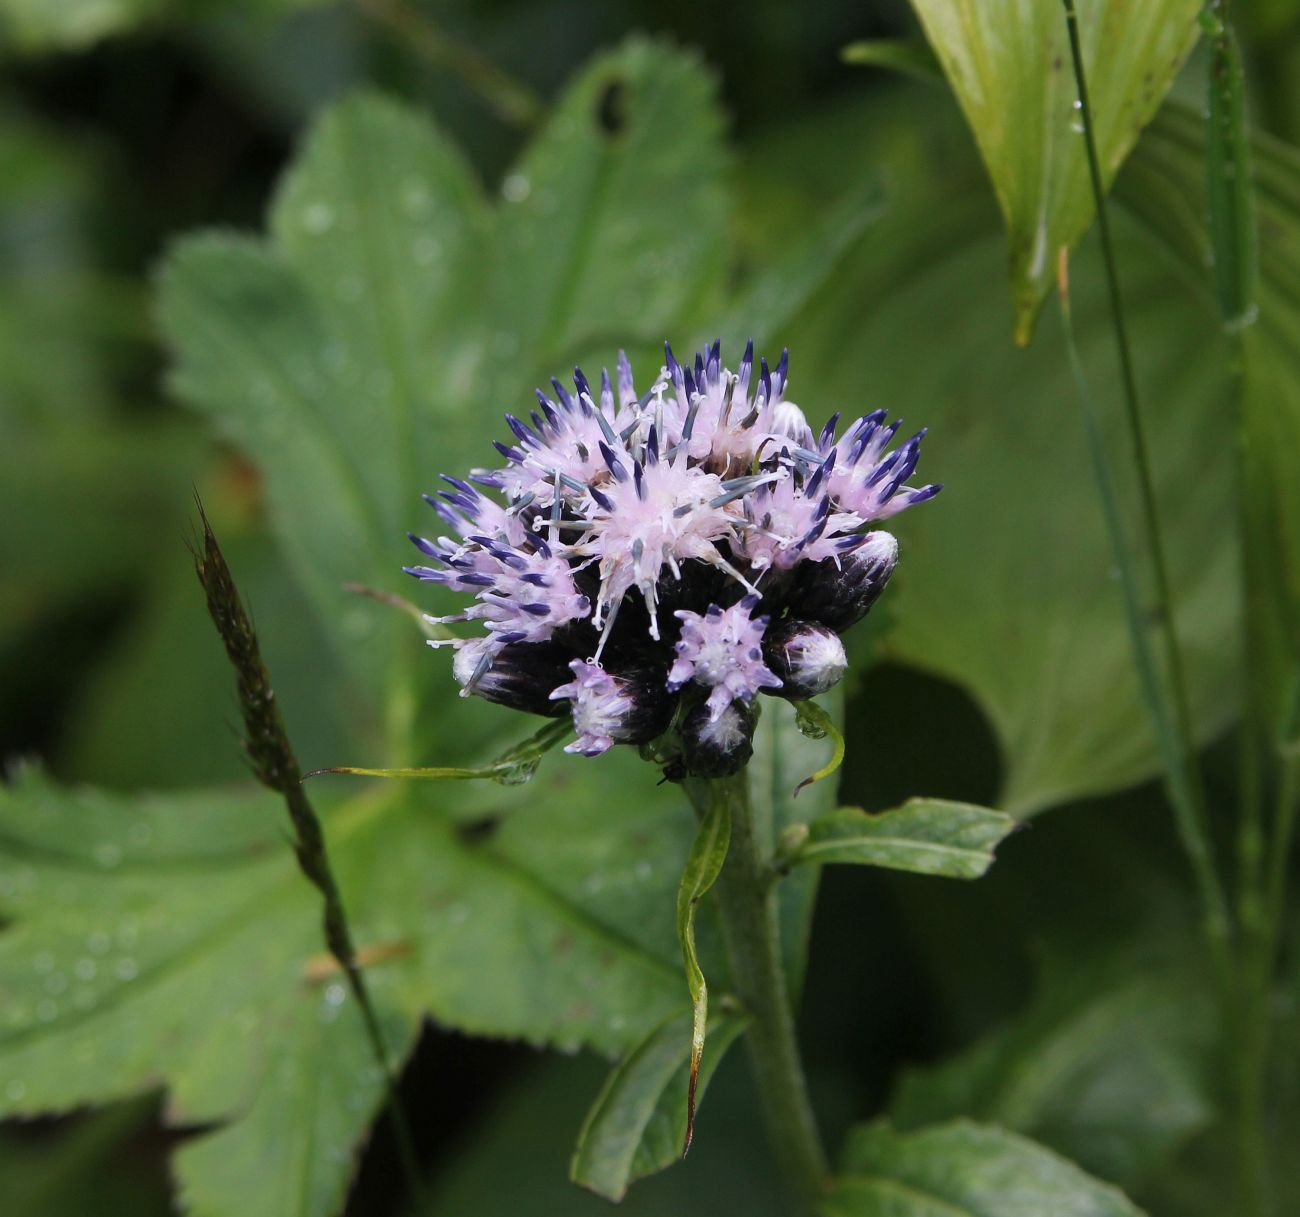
x: 749, y: 919
x: 1182, y: 770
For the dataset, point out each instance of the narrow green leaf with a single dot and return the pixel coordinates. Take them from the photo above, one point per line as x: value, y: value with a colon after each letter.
x: 1008, y: 63
x: 926, y: 836
x: 963, y: 1170
x: 1231, y: 191
x: 512, y: 768
x: 908, y: 56
x: 638, y: 1122
x: 703, y: 865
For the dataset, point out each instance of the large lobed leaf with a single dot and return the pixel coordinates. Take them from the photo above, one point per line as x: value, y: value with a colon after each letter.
x: 963, y: 1169
x: 1004, y: 583
x: 171, y: 942
x: 1009, y: 63
x: 1108, y: 1066
x: 1165, y: 187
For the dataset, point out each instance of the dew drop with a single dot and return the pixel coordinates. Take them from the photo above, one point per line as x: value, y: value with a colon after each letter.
x: 108, y: 854
x: 42, y: 962
x: 426, y: 250
x: 318, y: 218
x: 15, y: 1089
x: 516, y: 188
x: 643, y: 869
x: 56, y: 983
x: 46, y: 1010
x: 334, y: 994
x: 415, y: 198
x: 98, y: 943
x: 85, y: 969
x: 126, y: 968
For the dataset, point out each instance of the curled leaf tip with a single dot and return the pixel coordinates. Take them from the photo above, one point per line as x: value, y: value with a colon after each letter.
x: 814, y: 723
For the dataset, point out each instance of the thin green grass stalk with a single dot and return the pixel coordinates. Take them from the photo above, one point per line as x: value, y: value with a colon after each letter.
x: 1182, y: 770
x: 511, y: 100
x: 1233, y: 241
x: 274, y: 764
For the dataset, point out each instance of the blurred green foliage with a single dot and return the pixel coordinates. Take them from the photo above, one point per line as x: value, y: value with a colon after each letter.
x: 425, y: 264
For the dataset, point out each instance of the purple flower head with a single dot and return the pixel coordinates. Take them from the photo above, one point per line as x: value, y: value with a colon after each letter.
x: 654, y: 561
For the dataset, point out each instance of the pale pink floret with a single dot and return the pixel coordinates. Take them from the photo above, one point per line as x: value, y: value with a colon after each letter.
x: 600, y: 705
x: 722, y: 650
x: 788, y: 525
x: 650, y: 521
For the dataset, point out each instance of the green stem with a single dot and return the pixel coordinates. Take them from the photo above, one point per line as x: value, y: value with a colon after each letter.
x: 1183, y: 773
x: 749, y: 921
x: 1230, y: 193
x: 512, y: 101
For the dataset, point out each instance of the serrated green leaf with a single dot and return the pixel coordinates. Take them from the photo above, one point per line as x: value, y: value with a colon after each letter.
x: 637, y: 1125
x: 1108, y: 1066
x: 139, y: 955
x: 1009, y: 63
x: 963, y: 1170
x: 612, y: 228
x: 927, y: 836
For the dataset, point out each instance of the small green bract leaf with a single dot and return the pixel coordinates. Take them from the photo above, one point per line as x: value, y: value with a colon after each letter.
x: 703, y: 866
x: 1008, y: 61
x: 927, y: 836
x: 964, y: 1170
x: 637, y: 1125
x: 814, y: 723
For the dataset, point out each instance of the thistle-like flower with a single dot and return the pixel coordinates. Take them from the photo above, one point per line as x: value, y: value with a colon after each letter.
x: 659, y: 560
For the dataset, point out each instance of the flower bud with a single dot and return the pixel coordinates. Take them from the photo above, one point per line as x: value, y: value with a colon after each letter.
x: 609, y: 708
x: 840, y: 596
x: 521, y: 675
x: 807, y: 657
x: 718, y: 747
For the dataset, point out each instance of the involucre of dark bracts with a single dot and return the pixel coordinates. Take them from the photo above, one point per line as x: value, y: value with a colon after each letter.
x: 808, y: 657
x: 718, y: 747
